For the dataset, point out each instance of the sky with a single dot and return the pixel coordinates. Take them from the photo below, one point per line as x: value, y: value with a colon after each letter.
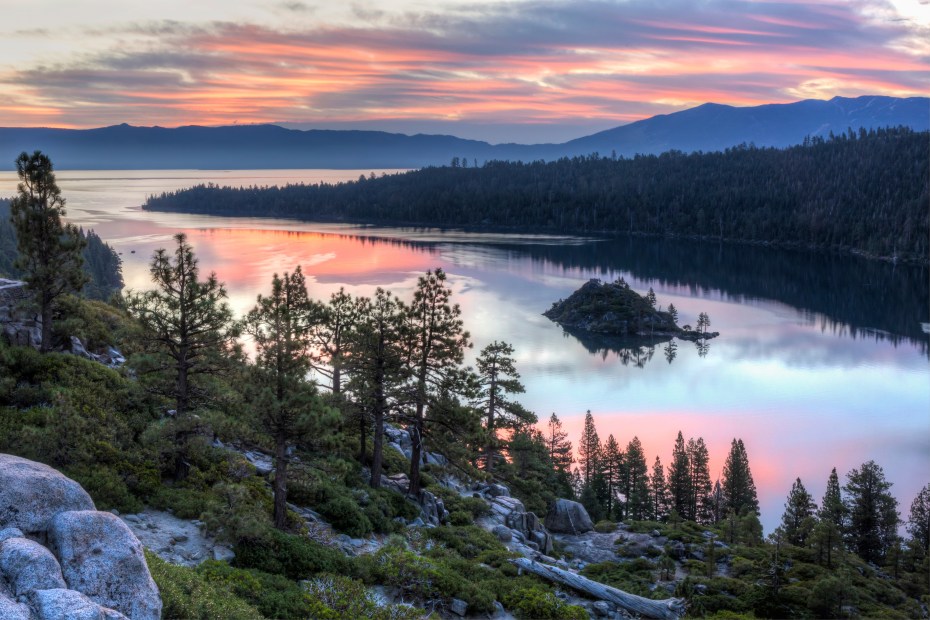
x: 504, y: 70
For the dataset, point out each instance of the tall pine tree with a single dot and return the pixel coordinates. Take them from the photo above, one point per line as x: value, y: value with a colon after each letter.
x: 658, y: 492
x: 698, y: 462
x: 872, y: 510
x: 589, y: 450
x: 828, y: 534
x: 797, y: 521
x: 739, y: 490
x: 49, y: 250
x: 438, y: 341
x: 498, y: 378
x: 636, y: 487
x: 679, y: 479
x: 560, y: 448
x: 613, y: 473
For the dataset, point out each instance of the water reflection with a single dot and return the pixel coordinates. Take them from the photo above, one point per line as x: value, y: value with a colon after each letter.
x: 821, y: 361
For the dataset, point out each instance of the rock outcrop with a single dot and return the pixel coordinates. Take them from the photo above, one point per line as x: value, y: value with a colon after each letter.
x: 568, y: 517
x: 93, y: 566
x: 31, y: 494
x: 18, y: 326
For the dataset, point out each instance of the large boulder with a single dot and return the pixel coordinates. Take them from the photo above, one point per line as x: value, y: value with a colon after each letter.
x: 31, y: 494
x: 61, y: 604
x: 26, y: 565
x: 11, y: 610
x: 510, y: 513
x: 568, y: 517
x: 102, y: 558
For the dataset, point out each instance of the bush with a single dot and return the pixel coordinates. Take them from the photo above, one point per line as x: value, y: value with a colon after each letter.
x: 292, y: 556
x: 187, y: 595
x: 460, y: 517
x: 538, y: 603
x: 274, y: 596
x: 339, y: 597
x: 605, y: 527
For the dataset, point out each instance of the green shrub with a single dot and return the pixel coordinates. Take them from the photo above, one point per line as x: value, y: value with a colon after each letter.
x: 460, y: 517
x: 344, y: 514
x: 292, y: 556
x: 605, y: 527
x: 339, y: 597
x: 187, y: 595
x: 275, y: 596
x: 107, y: 488
x: 537, y: 603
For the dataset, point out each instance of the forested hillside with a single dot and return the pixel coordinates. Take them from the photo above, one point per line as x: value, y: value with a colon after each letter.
x: 863, y: 192
x: 101, y: 262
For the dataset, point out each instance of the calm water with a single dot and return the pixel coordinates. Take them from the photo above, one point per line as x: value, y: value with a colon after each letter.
x: 821, y: 362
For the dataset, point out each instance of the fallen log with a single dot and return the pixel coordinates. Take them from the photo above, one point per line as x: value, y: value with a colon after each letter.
x: 668, y: 609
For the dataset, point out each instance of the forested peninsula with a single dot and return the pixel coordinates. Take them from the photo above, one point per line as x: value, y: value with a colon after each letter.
x: 865, y: 193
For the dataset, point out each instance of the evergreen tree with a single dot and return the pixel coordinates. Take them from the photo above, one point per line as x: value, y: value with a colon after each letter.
x: 673, y: 313
x: 560, y: 448
x: 658, y: 491
x: 651, y: 297
x: 716, y: 503
x: 589, y: 450
x: 438, y: 346
x: 872, y: 510
x: 828, y: 534
x: 698, y: 462
x: 613, y: 476
x: 185, y: 322
x: 49, y: 251
x: 288, y: 405
x: 679, y: 479
x: 636, y: 487
x: 377, y: 352
x: 330, y: 334
x: 797, y: 521
x: 918, y: 522
x: 739, y: 490
x: 498, y: 378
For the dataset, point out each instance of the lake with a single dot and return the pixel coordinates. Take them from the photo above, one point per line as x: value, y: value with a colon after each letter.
x: 821, y: 361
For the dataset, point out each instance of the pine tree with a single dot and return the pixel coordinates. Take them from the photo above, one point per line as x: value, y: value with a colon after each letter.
x: 498, y: 378
x: 739, y: 490
x: 330, y: 332
x: 918, y: 522
x: 698, y: 461
x: 673, y: 313
x: 872, y: 510
x: 651, y: 297
x: 288, y: 405
x: 377, y: 348
x: 658, y: 491
x: 636, y: 486
x: 613, y: 466
x: 589, y: 450
x: 679, y: 479
x: 49, y: 251
x: 716, y: 503
x: 797, y: 521
x: 438, y: 347
x: 829, y: 530
x: 186, y: 323
x: 560, y: 448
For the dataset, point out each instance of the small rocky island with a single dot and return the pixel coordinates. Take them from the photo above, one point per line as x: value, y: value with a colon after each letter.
x: 614, y: 309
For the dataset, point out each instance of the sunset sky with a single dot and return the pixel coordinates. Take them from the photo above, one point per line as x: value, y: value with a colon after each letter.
x: 510, y: 70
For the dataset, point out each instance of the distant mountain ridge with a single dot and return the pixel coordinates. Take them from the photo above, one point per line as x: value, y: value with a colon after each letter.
x: 709, y: 127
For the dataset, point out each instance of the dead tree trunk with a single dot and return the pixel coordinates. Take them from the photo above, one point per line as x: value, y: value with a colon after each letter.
x: 668, y: 609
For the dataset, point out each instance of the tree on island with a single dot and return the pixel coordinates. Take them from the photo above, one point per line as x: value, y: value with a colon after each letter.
x: 49, y: 251
x: 186, y: 323
x: 288, y: 406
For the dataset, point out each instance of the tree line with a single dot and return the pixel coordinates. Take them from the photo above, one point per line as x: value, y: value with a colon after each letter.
x: 861, y: 517
x: 862, y: 192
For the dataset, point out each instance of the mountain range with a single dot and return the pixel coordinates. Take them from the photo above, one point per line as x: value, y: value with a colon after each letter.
x: 709, y: 127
